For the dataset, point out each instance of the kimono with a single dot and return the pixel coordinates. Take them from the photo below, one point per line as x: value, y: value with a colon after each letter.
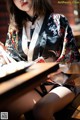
x: 55, y: 34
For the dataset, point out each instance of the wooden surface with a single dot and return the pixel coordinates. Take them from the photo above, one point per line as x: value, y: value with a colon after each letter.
x: 33, y: 71
x: 76, y: 114
x: 18, y: 86
x: 73, y: 68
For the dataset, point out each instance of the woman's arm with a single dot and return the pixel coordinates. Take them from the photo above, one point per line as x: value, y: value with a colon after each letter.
x: 69, y: 51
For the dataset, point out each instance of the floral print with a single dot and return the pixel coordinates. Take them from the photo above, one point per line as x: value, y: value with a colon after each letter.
x: 62, y: 38
x: 57, y: 36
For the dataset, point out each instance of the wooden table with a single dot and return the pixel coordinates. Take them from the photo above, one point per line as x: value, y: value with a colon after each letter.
x: 73, y: 68
x: 16, y: 87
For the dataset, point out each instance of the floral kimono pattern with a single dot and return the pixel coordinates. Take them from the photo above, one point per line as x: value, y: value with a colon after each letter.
x: 55, y: 35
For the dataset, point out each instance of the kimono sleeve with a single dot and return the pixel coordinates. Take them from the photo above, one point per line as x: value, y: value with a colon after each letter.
x: 12, y: 46
x: 69, y: 51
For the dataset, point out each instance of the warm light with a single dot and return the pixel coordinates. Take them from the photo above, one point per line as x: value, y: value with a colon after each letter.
x: 34, y: 101
x: 75, y: 12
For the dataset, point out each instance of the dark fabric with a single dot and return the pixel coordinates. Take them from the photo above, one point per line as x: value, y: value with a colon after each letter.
x: 31, y: 19
x: 55, y: 35
x: 31, y: 32
x: 29, y: 115
x: 44, y: 90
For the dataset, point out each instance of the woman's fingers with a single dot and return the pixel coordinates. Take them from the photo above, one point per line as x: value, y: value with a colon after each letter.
x: 53, y: 74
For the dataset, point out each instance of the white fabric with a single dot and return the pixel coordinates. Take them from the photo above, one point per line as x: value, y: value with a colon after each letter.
x: 29, y: 52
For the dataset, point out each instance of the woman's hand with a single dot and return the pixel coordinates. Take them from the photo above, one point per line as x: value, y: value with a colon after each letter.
x: 58, y: 77
x: 52, y: 75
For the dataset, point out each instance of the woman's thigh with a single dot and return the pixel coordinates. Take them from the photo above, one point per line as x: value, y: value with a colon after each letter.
x: 61, y: 96
x: 23, y: 104
x: 54, y: 101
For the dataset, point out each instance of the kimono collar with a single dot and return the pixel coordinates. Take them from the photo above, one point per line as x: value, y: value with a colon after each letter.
x: 29, y: 51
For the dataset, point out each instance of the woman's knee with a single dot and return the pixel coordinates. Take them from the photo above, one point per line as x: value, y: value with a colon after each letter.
x: 52, y: 102
x: 39, y: 111
x: 42, y: 110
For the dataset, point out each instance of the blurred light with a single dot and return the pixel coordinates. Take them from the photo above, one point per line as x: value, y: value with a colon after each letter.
x: 75, y: 12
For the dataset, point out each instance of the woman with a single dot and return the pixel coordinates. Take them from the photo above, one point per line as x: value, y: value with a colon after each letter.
x: 33, y: 31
